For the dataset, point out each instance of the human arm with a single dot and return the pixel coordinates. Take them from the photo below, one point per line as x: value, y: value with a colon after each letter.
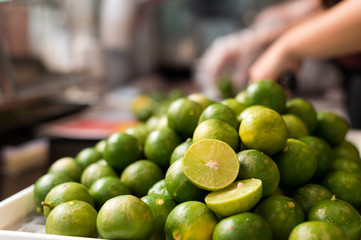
x: 333, y: 33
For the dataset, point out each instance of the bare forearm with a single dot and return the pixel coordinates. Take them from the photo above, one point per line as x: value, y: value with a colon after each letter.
x: 331, y: 34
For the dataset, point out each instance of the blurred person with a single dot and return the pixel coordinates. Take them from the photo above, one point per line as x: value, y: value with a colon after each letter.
x: 325, y: 30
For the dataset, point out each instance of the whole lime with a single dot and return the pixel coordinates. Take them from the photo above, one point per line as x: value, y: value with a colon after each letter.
x: 73, y: 218
x: 190, y: 220
x: 121, y: 150
x: 125, y: 217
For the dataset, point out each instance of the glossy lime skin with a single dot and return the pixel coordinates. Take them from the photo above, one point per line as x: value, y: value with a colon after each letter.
x: 340, y: 213
x: 125, y: 217
x: 190, y: 220
x: 266, y: 93
x: 95, y: 171
x: 159, y: 188
x: 304, y: 110
x: 66, y: 192
x: 346, y: 149
x: 180, y: 150
x: 140, y: 176
x: 67, y: 166
x: 121, y: 150
x: 323, y: 154
x: 256, y: 164
x: 221, y: 112
x: 73, y: 218
x: 217, y: 129
x: 106, y: 188
x: 296, y: 163
x: 183, y: 115
x: 345, y: 186
x: 160, y: 206
x: 88, y: 156
x: 331, y: 127
x: 263, y: 129
x: 281, y: 213
x: 44, y: 184
x: 317, y: 230
x: 245, y: 225
x: 179, y: 187
x: 160, y: 145
x: 309, y: 195
x: 296, y: 127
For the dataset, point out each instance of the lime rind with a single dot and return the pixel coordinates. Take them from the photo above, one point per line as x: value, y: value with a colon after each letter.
x: 210, y: 164
x: 239, y: 197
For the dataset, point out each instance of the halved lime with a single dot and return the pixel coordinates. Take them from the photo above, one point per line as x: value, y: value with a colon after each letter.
x: 210, y: 164
x: 239, y: 197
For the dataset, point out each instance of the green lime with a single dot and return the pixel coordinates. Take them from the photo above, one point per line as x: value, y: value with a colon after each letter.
x: 245, y: 225
x: 241, y: 97
x: 183, y: 115
x: 159, y: 188
x: 178, y: 185
x: 125, y: 217
x: 190, y: 220
x: 296, y: 163
x: 304, y: 110
x: 100, y: 146
x: 309, y: 195
x: 44, y: 184
x: 346, y: 186
x: 160, y: 145
x: 263, y: 129
x: 225, y: 87
x: 217, y: 129
x: 322, y: 152
x: 180, y: 150
x: 296, y: 127
x: 221, y: 112
x: 121, y: 150
x: 87, y: 156
x: 210, y: 164
x: 67, y: 166
x: 266, y: 93
x: 346, y: 165
x: 331, y: 127
x: 160, y: 206
x: 140, y: 176
x: 142, y: 107
x: 140, y: 132
x: 95, y: 171
x: 65, y: 192
x: 256, y: 164
x: 73, y: 218
x: 317, y: 230
x: 339, y: 213
x: 201, y: 99
x: 106, y: 188
x: 233, y: 104
x: 282, y: 215
x: 238, y: 197
x: 346, y: 149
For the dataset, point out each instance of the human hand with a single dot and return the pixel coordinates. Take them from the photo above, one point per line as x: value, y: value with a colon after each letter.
x: 273, y: 63
x: 230, y: 55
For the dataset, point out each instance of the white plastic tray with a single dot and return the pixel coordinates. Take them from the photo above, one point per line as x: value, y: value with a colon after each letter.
x: 19, y: 221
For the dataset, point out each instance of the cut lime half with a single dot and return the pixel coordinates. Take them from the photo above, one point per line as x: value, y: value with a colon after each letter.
x: 239, y: 197
x: 210, y: 164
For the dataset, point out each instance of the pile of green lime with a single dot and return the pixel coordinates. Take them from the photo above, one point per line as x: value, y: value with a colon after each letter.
x: 253, y: 166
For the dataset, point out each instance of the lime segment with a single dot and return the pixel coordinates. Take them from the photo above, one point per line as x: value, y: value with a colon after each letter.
x: 239, y: 197
x: 210, y: 164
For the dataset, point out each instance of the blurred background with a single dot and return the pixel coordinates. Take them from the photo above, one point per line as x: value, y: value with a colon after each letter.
x: 85, y: 60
